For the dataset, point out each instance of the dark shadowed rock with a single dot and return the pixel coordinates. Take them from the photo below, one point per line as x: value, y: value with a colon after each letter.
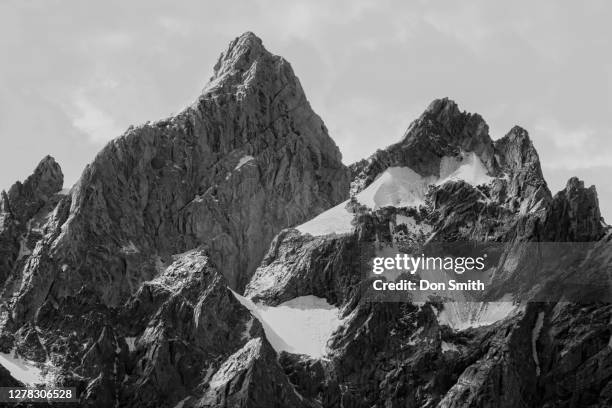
x: 575, y: 214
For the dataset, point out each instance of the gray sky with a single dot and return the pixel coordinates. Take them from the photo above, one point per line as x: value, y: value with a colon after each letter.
x: 75, y: 74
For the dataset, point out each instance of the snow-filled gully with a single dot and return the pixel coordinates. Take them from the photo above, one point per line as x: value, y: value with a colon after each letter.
x: 302, y: 325
x: 398, y: 187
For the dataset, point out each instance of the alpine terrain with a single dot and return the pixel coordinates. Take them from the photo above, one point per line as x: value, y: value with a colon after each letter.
x: 221, y: 258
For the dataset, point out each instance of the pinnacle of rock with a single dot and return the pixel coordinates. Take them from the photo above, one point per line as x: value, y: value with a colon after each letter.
x: 245, y: 62
x: 241, y: 53
x: 442, y: 107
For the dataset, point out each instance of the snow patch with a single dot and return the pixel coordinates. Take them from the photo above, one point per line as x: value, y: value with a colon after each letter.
x: 305, y: 323
x: 22, y: 369
x: 449, y: 347
x: 131, y: 343
x: 397, y: 187
x: 412, y: 226
x: 243, y: 160
x: 403, y: 187
x: 462, y: 315
x: 466, y: 167
x: 302, y: 325
x: 336, y: 220
x: 535, y: 334
x: 275, y: 340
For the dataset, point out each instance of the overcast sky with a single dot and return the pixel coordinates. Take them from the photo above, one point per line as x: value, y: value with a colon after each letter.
x: 75, y: 74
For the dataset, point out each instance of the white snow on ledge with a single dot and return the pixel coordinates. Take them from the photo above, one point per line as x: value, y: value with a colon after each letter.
x: 21, y: 369
x: 302, y: 325
x: 336, y: 220
x: 466, y: 167
x: 462, y: 315
x: 398, y: 187
x: 243, y: 160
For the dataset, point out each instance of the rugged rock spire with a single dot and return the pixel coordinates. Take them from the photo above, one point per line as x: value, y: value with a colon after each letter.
x: 123, y: 287
x: 25, y: 208
x: 27, y: 198
x: 419, y: 353
x: 222, y: 177
x: 249, y: 158
x: 575, y: 215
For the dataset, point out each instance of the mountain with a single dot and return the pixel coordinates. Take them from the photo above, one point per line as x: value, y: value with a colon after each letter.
x: 222, y: 258
x: 540, y: 335
x: 247, y: 159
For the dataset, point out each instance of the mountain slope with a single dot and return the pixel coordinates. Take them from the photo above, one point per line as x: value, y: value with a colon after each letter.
x: 447, y: 183
x: 247, y: 159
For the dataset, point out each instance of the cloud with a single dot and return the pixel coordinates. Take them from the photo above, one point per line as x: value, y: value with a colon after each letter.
x: 97, y: 124
x: 562, y: 146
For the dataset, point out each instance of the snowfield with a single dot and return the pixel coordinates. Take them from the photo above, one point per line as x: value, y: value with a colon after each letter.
x: 302, y: 325
x: 466, y: 167
x: 462, y: 315
x: 21, y: 369
x: 336, y: 220
x: 398, y: 187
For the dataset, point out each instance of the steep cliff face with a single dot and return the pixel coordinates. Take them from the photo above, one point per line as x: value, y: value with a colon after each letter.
x: 84, y: 270
x: 23, y: 211
x: 247, y: 159
x: 445, y: 181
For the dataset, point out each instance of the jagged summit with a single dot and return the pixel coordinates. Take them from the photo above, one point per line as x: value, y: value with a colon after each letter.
x: 442, y: 106
x: 28, y: 197
x: 121, y: 288
x: 247, y: 68
x: 47, y: 177
x: 249, y: 158
x: 575, y: 214
x: 241, y: 53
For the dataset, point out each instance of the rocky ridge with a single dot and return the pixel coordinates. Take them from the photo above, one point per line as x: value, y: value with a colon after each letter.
x: 124, y: 286
x: 247, y: 159
x: 460, y: 354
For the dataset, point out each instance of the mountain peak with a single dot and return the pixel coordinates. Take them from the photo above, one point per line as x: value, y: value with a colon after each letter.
x: 240, y: 54
x: 519, y: 148
x: 47, y: 179
x: 442, y: 106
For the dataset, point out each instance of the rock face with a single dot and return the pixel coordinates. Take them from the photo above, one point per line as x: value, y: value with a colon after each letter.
x: 514, y: 353
x: 23, y: 211
x: 575, y: 214
x: 247, y: 159
x: 127, y: 287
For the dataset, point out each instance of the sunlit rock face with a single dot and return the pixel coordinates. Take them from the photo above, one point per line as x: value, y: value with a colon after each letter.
x: 247, y: 159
